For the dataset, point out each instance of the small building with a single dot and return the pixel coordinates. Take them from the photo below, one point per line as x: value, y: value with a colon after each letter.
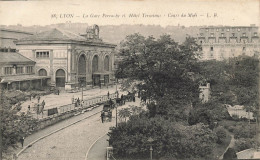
x: 18, y: 72
x: 71, y: 60
x: 204, y: 93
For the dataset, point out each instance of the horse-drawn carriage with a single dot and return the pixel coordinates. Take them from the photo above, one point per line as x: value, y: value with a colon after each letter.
x: 106, y: 113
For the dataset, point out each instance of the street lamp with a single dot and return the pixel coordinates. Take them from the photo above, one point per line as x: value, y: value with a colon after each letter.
x: 150, y: 140
x: 82, y: 92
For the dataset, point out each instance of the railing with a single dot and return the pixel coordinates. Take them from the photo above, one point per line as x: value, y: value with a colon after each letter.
x: 87, y: 103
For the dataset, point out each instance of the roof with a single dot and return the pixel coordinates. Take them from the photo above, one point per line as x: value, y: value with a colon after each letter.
x: 54, y: 34
x: 18, y: 78
x: 6, y: 43
x: 16, y: 31
x: 60, y: 36
x: 13, y: 57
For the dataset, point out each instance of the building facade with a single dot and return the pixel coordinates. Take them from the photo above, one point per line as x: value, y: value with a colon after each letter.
x: 223, y: 42
x: 16, y: 71
x: 71, y: 60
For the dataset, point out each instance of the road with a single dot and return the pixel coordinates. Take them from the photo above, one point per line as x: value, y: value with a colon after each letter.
x: 72, y: 142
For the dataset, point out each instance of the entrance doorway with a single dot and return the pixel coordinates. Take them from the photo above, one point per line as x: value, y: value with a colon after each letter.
x: 60, y: 78
x: 106, y: 79
x: 96, y: 80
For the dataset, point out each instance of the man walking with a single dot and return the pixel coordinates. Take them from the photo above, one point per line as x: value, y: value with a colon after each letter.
x: 43, y: 104
x: 22, y: 140
x: 102, y: 117
x: 39, y: 99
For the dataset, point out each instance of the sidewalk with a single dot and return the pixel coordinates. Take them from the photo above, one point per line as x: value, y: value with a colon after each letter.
x: 98, y: 150
x: 53, y: 101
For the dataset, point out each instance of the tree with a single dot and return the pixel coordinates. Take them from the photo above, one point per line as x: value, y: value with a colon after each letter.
x: 171, y: 140
x: 162, y: 68
x: 124, y: 113
x: 14, y: 124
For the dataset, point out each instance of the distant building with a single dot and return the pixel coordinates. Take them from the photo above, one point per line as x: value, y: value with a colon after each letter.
x: 223, y: 42
x: 204, y: 93
x: 7, y: 38
x: 71, y: 60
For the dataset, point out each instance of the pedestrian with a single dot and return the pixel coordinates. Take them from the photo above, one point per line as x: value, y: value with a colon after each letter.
x: 38, y: 108
x: 58, y: 92
x: 29, y: 107
x: 108, y: 94
x: 30, y: 96
x: 43, y: 104
x: 22, y: 140
x: 102, y: 117
x: 78, y: 101
x: 39, y: 99
x: 134, y: 98
x: 110, y: 101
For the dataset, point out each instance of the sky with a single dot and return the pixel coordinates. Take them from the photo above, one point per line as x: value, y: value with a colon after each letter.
x: 146, y: 12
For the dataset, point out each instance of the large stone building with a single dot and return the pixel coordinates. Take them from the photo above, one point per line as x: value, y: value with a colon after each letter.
x: 70, y: 59
x: 222, y: 42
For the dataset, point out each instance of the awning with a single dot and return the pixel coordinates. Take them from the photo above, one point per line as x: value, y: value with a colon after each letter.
x: 21, y: 78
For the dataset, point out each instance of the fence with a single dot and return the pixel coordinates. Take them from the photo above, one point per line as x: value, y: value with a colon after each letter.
x: 86, y: 103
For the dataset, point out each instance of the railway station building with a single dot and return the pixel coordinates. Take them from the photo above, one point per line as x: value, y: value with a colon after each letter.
x: 70, y: 60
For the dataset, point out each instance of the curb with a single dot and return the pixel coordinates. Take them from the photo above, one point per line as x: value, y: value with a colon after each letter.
x: 93, y: 145
x: 53, y: 133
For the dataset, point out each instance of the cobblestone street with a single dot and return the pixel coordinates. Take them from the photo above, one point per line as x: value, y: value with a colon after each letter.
x: 72, y: 142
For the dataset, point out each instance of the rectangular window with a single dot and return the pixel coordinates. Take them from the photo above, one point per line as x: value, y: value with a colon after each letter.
x: 233, y: 34
x: 211, y: 48
x: 217, y: 29
x: 255, y: 34
x: 238, y: 29
x: 8, y: 70
x: 19, y: 70
x: 29, y: 69
x: 222, y: 34
x: 211, y: 34
x: 44, y: 54
x: 244, y: 34
x: 228, y: 30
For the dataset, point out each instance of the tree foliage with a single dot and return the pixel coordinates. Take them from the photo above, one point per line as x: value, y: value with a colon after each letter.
x: 162, y: 67
x: 170, y: 140
x: 14, y: 124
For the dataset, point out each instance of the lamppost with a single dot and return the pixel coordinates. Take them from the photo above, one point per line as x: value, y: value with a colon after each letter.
x: 150, y: 140
x: 116, y: 115
x: 82, y: 91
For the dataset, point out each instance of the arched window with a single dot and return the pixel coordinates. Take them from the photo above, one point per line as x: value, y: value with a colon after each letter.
x: 42, y: 72
x: 95, y: 64
x: 106, y: 63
